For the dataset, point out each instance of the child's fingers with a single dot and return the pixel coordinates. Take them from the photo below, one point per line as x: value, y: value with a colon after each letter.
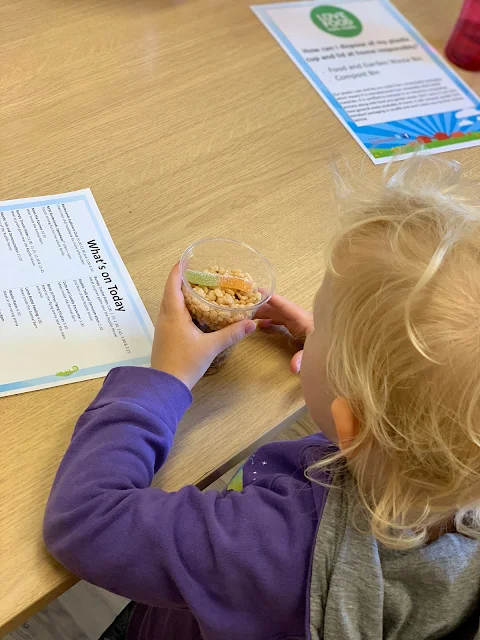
x: 282, y: 305
x: 296, y: 362
x: 264, y: 323
x: 172, y: 295
x: 228, y: 336
x: 266, y: 312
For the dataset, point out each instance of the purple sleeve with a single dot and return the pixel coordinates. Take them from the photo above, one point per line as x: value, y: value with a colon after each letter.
x: 215, y: 553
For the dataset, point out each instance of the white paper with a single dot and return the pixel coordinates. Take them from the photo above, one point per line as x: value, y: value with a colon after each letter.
x: 69, y: 310
x: 385, y: 83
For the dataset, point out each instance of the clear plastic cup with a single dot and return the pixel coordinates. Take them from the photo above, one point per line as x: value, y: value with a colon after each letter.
x: 229, y: 254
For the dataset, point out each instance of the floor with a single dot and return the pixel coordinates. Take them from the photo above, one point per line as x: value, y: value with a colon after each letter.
x: 85, y: 611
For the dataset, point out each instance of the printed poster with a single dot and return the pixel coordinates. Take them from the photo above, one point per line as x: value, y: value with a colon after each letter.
x: 69, y: 310
x: 384, y: 82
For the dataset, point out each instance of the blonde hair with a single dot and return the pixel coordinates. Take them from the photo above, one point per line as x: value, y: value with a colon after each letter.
x: 404, y: 349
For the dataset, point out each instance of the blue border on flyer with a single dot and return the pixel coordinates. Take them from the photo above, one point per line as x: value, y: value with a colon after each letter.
x: 261, y: 11
x: 53, y: 380
x: 99, y: 368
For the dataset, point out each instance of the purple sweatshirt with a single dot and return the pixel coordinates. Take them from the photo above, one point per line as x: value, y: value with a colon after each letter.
x: 207, y: 565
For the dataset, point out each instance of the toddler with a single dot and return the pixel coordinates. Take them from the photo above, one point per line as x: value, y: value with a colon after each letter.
x: 368, y: 529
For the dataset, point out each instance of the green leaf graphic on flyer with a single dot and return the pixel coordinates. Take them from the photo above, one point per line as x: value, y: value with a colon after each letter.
x: 336, y: 21
x: 68, y: 372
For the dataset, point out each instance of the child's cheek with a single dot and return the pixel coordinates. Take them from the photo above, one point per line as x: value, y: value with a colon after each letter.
x: 318, y: 397
x: 309, y: 375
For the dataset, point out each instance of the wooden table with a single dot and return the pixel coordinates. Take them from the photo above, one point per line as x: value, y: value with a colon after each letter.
x: 186, y: 120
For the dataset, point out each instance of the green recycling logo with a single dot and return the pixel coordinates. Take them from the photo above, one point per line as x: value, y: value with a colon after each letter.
x: 336, y: 21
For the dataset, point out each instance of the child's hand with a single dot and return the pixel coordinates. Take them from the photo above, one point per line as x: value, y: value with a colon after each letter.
x: 299, y: 322
x: 179, y: 347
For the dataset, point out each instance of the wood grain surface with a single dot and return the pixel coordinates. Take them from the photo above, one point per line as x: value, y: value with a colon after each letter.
x: 186, y: 120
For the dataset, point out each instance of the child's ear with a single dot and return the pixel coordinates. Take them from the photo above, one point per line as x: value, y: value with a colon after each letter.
x: 345, y: 422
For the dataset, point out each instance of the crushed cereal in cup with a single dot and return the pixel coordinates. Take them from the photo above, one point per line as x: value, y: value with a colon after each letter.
x: 224, y: 281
